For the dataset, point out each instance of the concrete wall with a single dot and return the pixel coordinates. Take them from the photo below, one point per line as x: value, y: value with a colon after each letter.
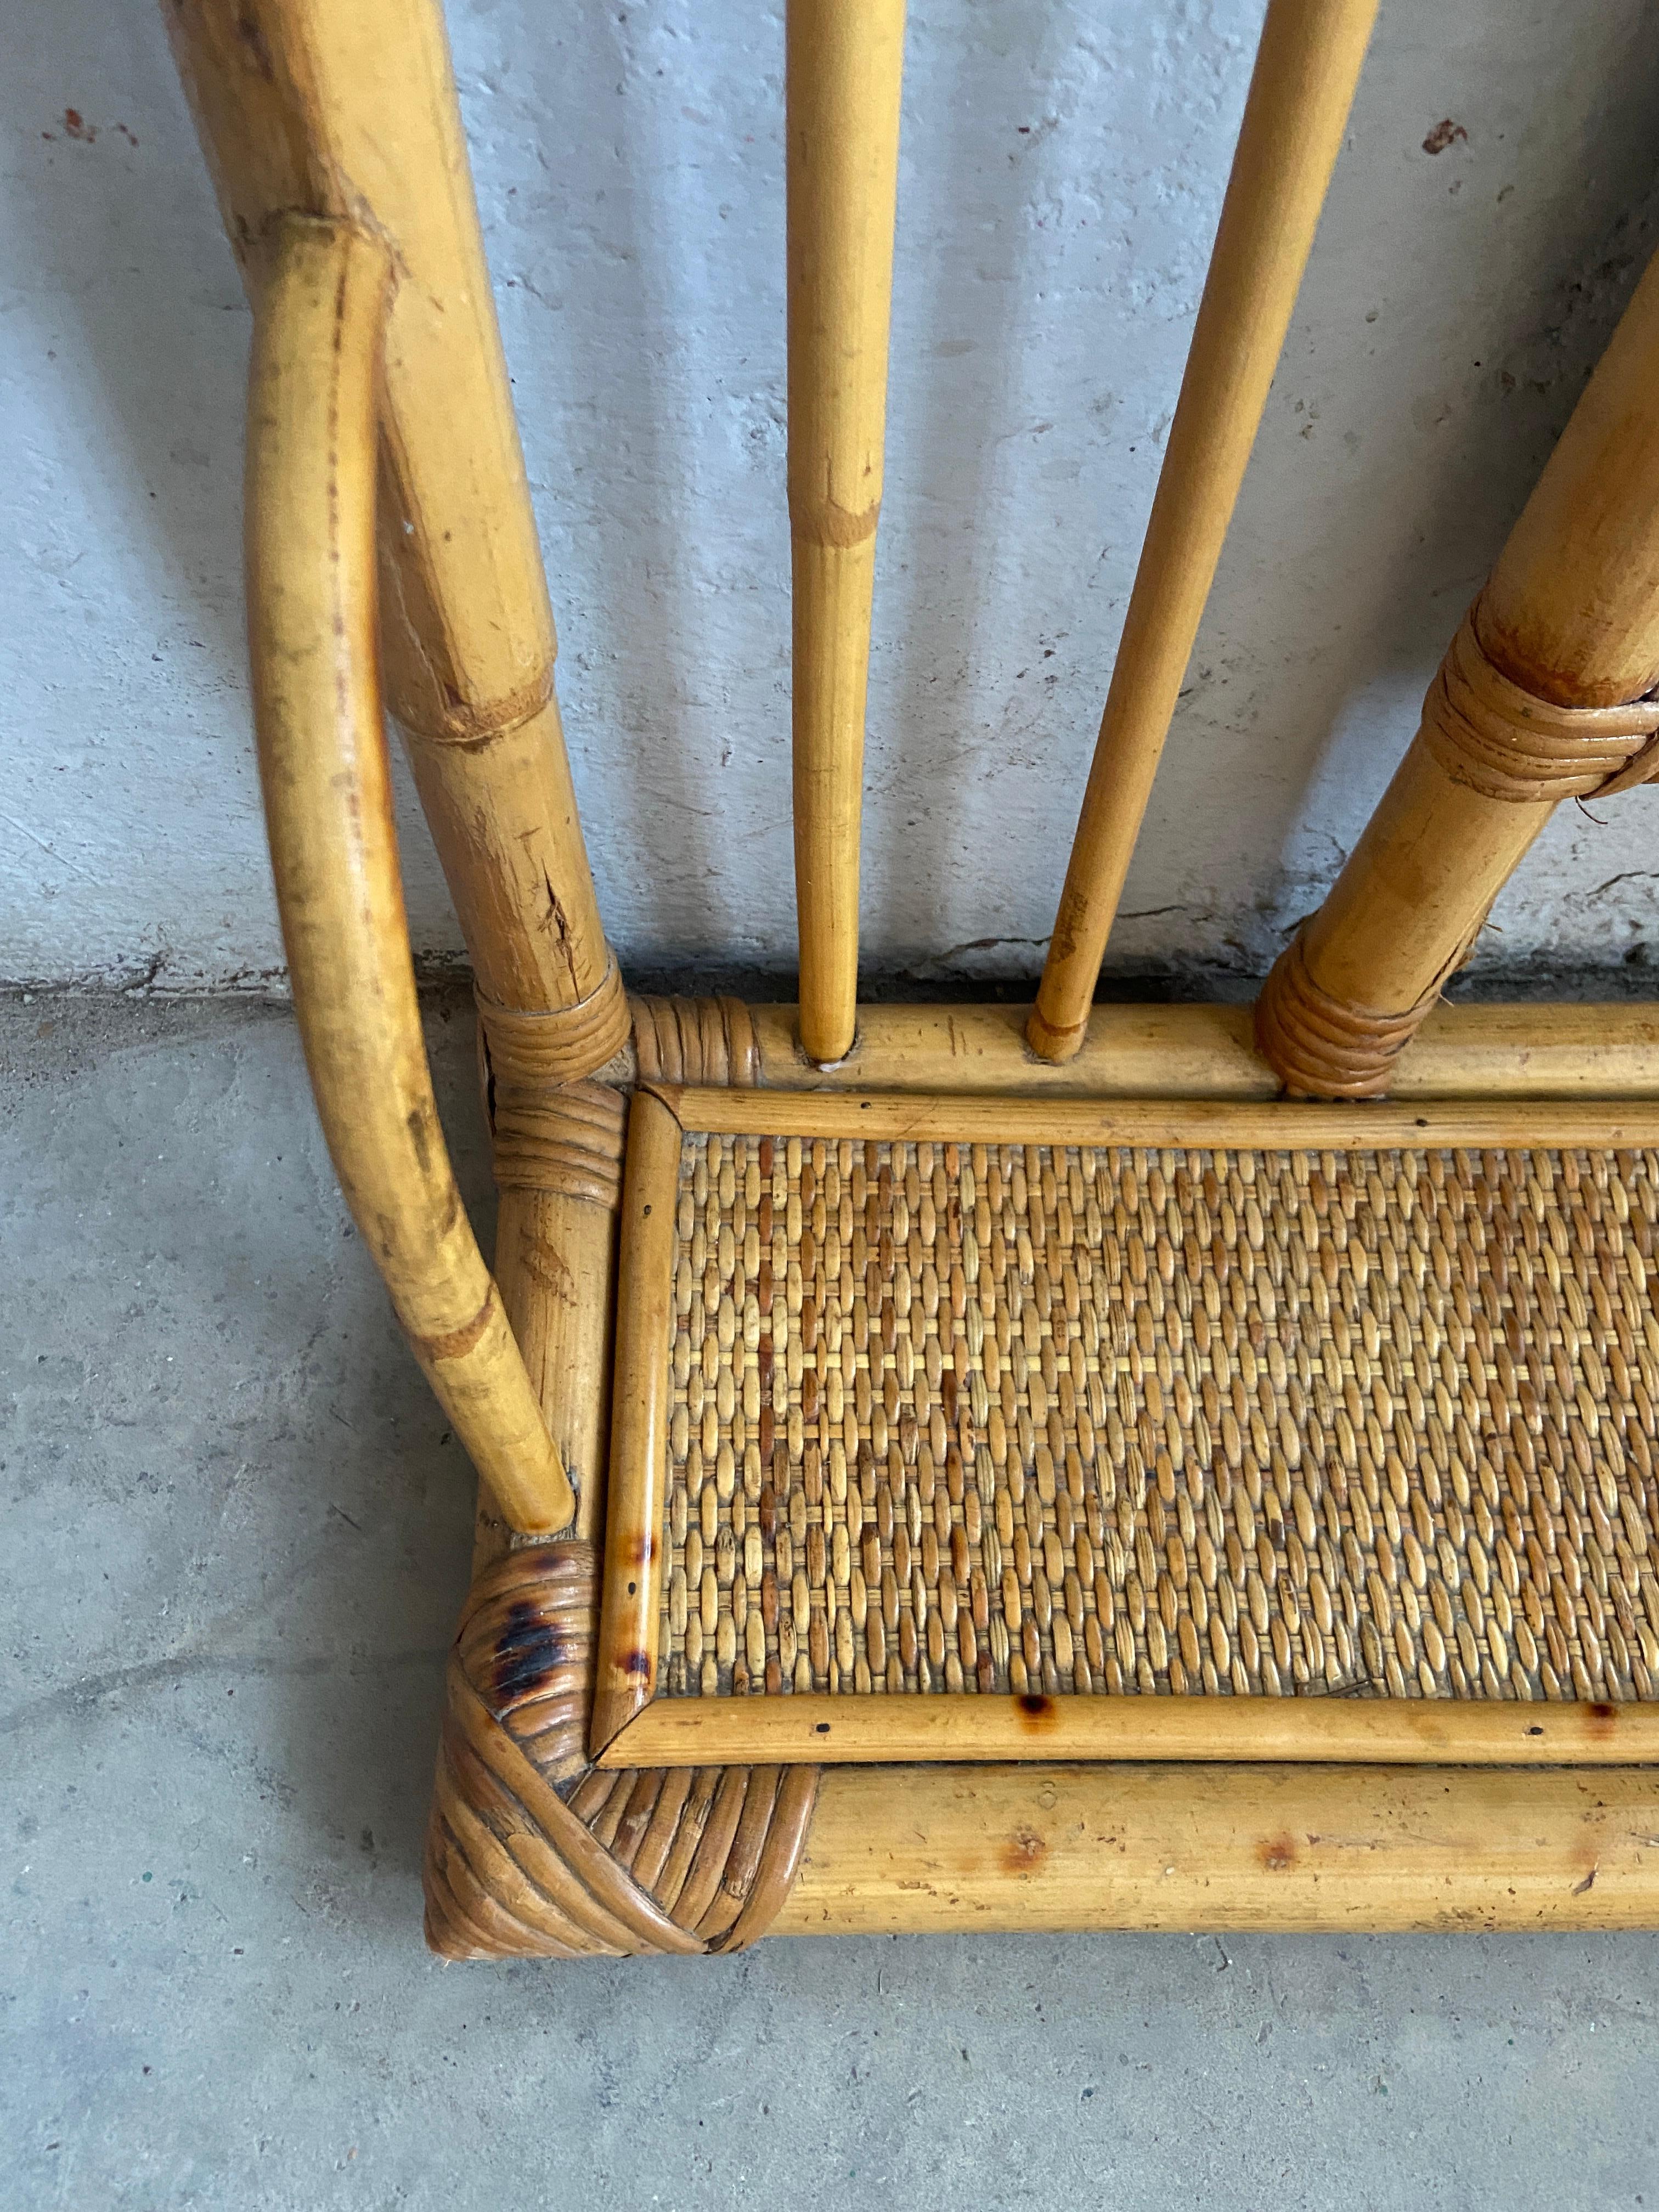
x: 1063, y: 166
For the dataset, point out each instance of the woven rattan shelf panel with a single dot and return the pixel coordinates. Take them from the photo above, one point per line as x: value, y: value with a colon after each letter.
x: 1049, y: 1418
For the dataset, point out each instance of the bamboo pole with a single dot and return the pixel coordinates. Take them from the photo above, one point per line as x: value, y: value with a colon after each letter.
x: 351, y: 111
x: 558, y: 1157
x: 1543, y: 696
x: 828, y: 1729
x: 311, y: 577
x: 843, y: 72
x: 943, y: 1848
x: 1306, y: 70
x: 1513, y: 1051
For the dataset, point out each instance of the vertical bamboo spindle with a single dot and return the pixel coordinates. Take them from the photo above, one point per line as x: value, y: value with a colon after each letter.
x: 351, y: 111
x: 310, y: 573
x: 1303, y: 86
x: 843, y: 68
x: 1543, y: 696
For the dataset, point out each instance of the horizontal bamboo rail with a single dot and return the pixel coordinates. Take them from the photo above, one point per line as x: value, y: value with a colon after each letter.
x: 1512, y: 1051
x: 1273, y: 1125
x: 887, y: 1731
x: 845, y: 61
x: 942, y: 1849
x: 1305, y: 73
x: 310, y: 575
x: 1543, y: 695
x: 351, y: 111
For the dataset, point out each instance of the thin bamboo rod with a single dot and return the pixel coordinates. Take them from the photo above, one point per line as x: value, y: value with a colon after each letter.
x: 1543, y: 697
x: 311, y: 577
x: 1306, y: 70
x: 844, y: 65
x: 886, y: 1730
x: 912, y: 1850
x: 351, y: 111
x: 1514, y: 1051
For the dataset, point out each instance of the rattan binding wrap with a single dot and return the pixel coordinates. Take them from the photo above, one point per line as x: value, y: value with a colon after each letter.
x: 529, y: 1854
x: 695, y: 1041
x: 1322, y: 1046
x: 1504, y: 742
x: 1033, y: 1420
x: 1496, y: 738
x: 561, y: 1045
x: 566, y: 1142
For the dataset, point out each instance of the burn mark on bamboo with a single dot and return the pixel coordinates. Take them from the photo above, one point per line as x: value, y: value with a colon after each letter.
x: 1037, y: 1714
x: 528, y: 1649
x: 1024, y: 1851
x: 636, y: 1665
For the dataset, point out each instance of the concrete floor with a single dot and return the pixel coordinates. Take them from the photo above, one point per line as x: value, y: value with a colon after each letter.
x: 236, y: 1535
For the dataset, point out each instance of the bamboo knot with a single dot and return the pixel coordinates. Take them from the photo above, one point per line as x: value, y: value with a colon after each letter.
x: 1498, y: 739
x: 532, y: 1854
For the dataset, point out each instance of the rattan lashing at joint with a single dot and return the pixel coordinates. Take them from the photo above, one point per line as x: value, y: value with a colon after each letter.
x: 557, y: 1045
x: 533, y: 1853
x: 1498, y: 738
x: 1324, y: 1046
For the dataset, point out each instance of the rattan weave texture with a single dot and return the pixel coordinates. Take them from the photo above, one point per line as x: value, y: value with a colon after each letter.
x: 1025, y: 1417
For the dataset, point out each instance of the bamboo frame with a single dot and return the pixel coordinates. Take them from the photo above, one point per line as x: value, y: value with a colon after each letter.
x: 351, y: 112
x: 1272, y: 1126
x: 323, y: 764
x: 628, y: 1634
x: 937, y: 1850
x: 888, y: 1731
x: 845, y: 60
x: 1518, y: 1051
x: 1306, y: 70
x: 1543, y: 696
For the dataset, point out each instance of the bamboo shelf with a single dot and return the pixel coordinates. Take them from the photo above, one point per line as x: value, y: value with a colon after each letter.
x: 1067, y: 1411
x: 1067, y: 1467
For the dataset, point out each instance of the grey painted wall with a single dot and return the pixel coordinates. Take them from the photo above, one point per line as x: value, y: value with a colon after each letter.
x: 1063, y: 165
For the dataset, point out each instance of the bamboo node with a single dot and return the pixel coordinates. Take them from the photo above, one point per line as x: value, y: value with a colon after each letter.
x: 560, y: 1044
x: 1494, y: 736
x: 532, y: 1854
x: 436, y: 713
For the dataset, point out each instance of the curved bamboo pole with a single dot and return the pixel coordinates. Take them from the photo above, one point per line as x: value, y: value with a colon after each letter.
x: 845, y: 60
x: 1305, y: 73
x: 351, y: 111
x: 311, y: 588
x: 1543, y: 695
